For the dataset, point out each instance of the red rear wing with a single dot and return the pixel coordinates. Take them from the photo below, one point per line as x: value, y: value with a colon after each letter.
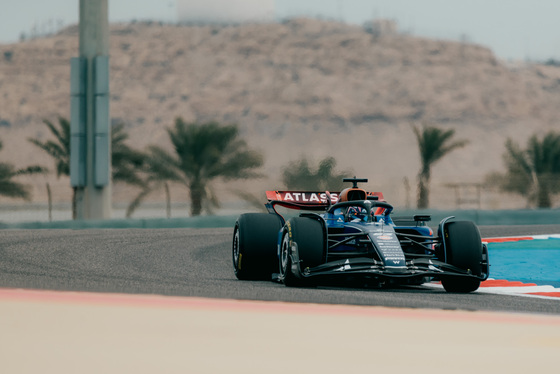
x: 308, y: 199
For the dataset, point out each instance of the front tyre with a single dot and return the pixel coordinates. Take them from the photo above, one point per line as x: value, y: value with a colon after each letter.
x: 309, y: 237
x: 463, y: 249
x: 254, y: 244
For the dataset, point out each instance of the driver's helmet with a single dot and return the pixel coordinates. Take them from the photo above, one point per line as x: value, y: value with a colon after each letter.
x: 356, y: 214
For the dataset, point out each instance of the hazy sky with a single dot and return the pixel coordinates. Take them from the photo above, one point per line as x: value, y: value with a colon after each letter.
x: 513, y: 29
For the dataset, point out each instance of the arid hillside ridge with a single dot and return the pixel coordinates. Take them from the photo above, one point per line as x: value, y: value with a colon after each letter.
x: 301, y: 88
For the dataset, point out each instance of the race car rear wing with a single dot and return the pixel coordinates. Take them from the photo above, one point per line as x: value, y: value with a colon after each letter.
x: 306, y: 200
x: 309, y: 200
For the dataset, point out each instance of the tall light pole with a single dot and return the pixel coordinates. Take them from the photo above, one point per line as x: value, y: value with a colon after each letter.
x: 90, y: 147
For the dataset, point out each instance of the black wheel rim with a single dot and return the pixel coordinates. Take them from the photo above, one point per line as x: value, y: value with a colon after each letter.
x: 285, y: 256
x: 236, y: 249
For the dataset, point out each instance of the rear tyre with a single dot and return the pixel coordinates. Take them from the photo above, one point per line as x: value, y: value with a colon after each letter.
x: 463, y: 249
x: 310, y: 238
x: 254, y: 245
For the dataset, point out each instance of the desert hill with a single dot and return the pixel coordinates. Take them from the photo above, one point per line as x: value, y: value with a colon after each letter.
x: 298, y: 88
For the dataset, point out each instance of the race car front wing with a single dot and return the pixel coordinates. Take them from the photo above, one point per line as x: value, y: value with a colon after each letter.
x: 416, y: 268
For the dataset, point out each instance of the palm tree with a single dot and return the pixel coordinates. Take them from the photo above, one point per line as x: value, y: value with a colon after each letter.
x: 151, y: 183
x: 125, y: 160
x: 201, y: 154
x: 433, y: 144
x: 533, y: 172
x: 299, y: 175
x: 10, y: 188
x: 59, y: 149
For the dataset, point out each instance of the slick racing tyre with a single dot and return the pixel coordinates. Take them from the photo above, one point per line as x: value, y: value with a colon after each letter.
x: 254, y: 245
x: 463, y: 249
x: 309, y: 236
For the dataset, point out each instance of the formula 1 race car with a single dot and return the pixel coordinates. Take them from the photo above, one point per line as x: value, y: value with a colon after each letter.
x: 351, y: 236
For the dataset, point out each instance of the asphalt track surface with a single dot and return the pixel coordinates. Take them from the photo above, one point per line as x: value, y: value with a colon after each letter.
x: 197, y: 262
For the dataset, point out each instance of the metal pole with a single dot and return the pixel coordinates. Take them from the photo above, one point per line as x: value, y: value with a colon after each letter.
x: 94, y: 199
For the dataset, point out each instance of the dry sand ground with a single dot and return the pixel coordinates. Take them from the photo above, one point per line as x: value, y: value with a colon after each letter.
x: 52, y: 332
